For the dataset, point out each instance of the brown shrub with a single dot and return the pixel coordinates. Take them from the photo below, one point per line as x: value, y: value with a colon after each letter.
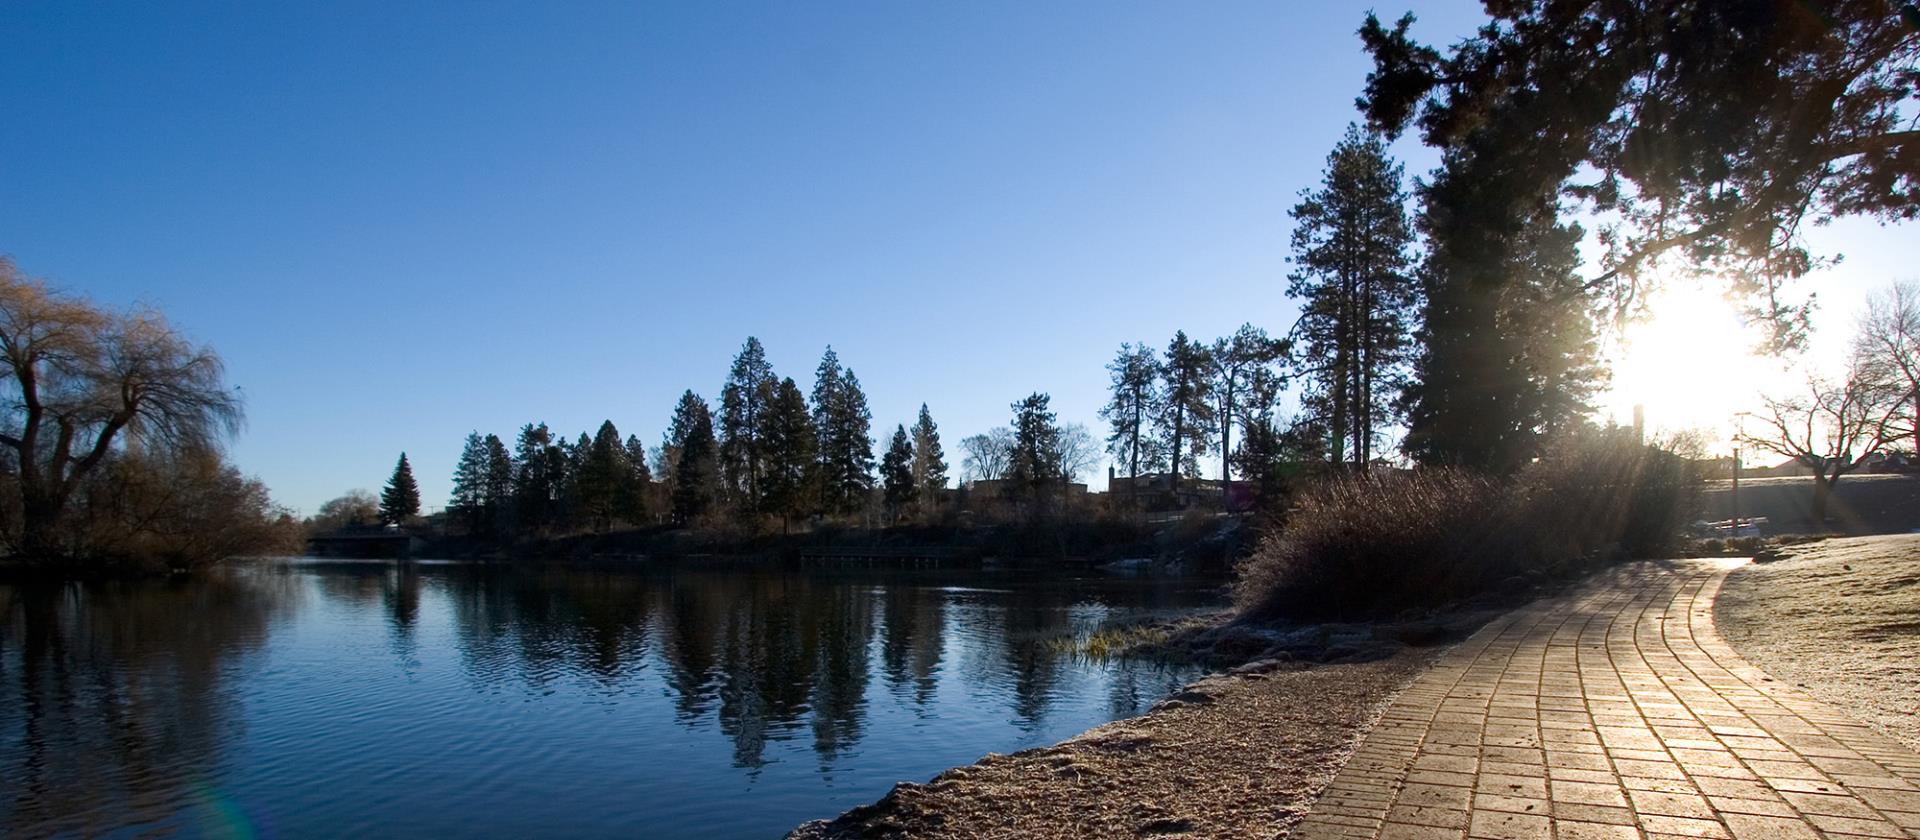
x: 1358, y: 546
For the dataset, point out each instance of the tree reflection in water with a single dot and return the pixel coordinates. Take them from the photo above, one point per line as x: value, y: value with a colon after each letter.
x: 112, y: 704
x: 407, y: 694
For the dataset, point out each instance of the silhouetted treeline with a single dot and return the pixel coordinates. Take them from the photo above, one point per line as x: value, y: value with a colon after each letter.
x: 769, y: 456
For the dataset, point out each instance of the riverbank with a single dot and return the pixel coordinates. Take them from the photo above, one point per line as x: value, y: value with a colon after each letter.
x: 1839, y: 618
x: 1241, y: 753
x: 1197, y: 544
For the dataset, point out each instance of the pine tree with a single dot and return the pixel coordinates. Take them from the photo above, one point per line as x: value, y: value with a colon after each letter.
x: 843, y: 422
x: 896, y: 474
x: 1358, y: 295
x: 468, y: 502
x: 400, y: 500
x: 1497, y: 377
x: 602, y: 478
x: 637, y: 490
x: 696, y: 464
x: 929, y: 462
x: 1033, y: 465
x: 1130, y: 411
x: 789, y: 443
x: 497, y: 493
x: 743, y: 400
x: 1237, y: 358
x: 533, y: 486
x: 1185, y: 405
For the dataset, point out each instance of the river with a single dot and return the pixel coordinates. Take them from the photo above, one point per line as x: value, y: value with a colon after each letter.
x: 310, y: 698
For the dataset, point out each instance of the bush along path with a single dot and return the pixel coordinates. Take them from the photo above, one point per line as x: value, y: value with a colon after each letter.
x: 1617, y: 712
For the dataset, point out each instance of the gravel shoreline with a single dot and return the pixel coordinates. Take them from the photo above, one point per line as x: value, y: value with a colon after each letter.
x: 1240, y: 754
x: 1839, y: 618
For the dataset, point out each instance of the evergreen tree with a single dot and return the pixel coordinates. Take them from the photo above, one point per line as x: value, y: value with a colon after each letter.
x: 696, y: 464
x: 637, y: 490
x: 533, y: 486
x: 1185, y: 405
x: 1357, y: 292
x: 497, y: 493
x: 842, y: 422
x: 1706, y: 136
x: 1130, y: 411
x: 929, y: 461
x: 400, y: 500
x: 743, y: 400
x: 1498, y: 375
x: 603, y: 477
x: 1033, y: 465
x: 789, y: 443
x: 896, y: 474
x: 468, y: 502
x: 1236, y: 359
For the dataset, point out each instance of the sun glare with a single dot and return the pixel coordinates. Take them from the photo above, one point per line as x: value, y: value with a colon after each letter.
x: 1690, y: 364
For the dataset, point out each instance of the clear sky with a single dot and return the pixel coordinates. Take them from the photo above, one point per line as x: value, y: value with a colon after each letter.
x: 400, y: 222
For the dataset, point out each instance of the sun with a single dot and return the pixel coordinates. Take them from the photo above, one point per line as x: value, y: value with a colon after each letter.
x: 1689, y: 363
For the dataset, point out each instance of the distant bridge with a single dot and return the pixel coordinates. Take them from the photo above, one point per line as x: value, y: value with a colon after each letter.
x: 889, y: 557
x: 365, y: 543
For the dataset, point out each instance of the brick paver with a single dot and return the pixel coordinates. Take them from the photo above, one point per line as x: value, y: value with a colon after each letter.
x: 1617, y: 712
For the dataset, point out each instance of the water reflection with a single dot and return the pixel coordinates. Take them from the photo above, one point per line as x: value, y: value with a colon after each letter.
x: 112, y: 697
x: 126, y: 705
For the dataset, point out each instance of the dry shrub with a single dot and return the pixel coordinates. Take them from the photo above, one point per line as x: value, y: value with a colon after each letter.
x: 1358, y: 546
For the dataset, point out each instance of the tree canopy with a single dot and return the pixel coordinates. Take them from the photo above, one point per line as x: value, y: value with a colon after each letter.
x: 1712, y: 131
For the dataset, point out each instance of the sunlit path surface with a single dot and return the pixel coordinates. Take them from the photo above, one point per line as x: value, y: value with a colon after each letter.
x: 1617, y: 712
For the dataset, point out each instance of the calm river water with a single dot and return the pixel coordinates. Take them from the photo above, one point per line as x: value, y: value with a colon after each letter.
x: 320, y: 698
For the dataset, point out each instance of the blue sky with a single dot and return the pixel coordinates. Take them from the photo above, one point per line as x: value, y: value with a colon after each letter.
x: 402, y: 222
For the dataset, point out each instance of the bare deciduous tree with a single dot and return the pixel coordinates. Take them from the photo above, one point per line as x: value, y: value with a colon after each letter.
x: 1889, y: 344
x: 1831, y: 427
x: 988, y: 455
x: 1079, y: 452
x: 78, y: 380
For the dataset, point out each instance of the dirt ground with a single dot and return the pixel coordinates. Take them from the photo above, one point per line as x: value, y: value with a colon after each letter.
x: 1840, y: 618
x: 1237, y: 755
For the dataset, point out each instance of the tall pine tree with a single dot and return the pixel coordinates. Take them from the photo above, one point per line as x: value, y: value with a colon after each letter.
x: 743, y: 399
x: 929, y: 462
x: 400, y: 500
x: 1503, y: 369
x: 1351, y: 242
x: 603, y: 477
x: 637, y: 491
x: 1236, y: 359
x: 842, y: 421
x: 468, y: 502
x: 1184, y: 416
x: 896, y: 475
x: 789, y: 443
x: 533, y: 478
x: 497, y: 493
x: 1130, y: 411
x: 1033, y: 465
x: 696, y: 466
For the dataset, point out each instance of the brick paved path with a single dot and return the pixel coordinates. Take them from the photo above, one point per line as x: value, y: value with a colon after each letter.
x: 1617, y: 712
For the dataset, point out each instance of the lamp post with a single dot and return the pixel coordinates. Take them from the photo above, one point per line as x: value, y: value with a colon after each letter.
x: 1739, y: 431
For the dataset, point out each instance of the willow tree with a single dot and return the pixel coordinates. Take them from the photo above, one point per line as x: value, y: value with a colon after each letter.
x: 81, y: 380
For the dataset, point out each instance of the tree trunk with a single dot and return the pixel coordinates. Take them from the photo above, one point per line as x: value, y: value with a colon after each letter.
x: 1226, y: 437
x: 39, y: 525
x: 1822, y: 489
